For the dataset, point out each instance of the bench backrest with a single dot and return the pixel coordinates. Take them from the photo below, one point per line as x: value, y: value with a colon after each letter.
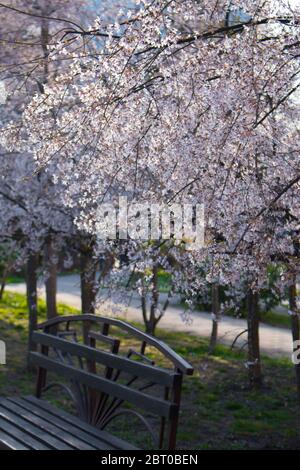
x: 108, y: 381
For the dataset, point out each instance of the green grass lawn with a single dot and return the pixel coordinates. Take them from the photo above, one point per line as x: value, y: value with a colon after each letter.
x: 276, y: 319
x: 218, y: 409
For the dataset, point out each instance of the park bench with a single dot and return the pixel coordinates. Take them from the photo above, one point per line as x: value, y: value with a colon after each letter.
x: 106, y: 368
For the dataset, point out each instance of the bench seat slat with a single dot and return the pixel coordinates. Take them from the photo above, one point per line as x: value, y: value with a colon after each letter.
x: 46, y: 426
x: 112, y: 441
x: 20, y: 435
x: 140, y: 399
x: 36, y: 432
x: 24, y: 421
x: 9, y: 443
x: 87, y: 438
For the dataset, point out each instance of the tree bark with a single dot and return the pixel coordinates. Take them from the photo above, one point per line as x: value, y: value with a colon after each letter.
x: 51, y: 282
x: 254, y: 363
x: 150, y: 325
x: 88, y: 280
x: 31, y: 283
x: 45, y: 40
x: 153, y: 320
x: 216, y: 317
x: 295, y: 327
x: 3, y: 282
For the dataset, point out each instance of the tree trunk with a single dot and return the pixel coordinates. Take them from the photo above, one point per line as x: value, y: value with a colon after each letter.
x: 254, y: 364
x: 45, y: 39
x: 295, y: 328
x: 31, y: 283
x: 88, y: 280
x: 153, y: 320
x: 51, y: 282
x: 144, y: 309
x: 216, y: 317
x: 151, y: 325
x: 2, y: 289
x: 3, y: 283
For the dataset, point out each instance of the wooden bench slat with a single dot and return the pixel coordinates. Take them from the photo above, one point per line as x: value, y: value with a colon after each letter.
x: 73, y: 420
x: 179, y: 362
x: 157, y: 375
x: 20, y: 435
x: 104, y: 338
x: 58, y: 420
x: 9, y: 443
x: 46, y: 426
x: 33, y: 430
x: 140, y: 399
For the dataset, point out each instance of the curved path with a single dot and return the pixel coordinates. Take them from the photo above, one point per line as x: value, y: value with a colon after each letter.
x: 274, y: 341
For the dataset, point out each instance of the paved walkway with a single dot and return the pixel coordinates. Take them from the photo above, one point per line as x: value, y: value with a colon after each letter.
x: 274, y: 341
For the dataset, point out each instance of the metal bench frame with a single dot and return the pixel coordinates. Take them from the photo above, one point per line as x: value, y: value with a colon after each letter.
x: 74, y: 347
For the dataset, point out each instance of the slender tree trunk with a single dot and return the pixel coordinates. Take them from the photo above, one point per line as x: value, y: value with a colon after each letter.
x: 3, y: 283
x: 45, y: 39
x: 153, y: 320
x: 150, y: 324
x: 295, y: 327
x: 2, y: 289
x: 150, y: 327
x: 216, y: 317
x: 51, y: 282
x: 88, y: 280
x: 31, y: 283
x: 144, y: 309
x: 254, y: 364
x: 154, y: 304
